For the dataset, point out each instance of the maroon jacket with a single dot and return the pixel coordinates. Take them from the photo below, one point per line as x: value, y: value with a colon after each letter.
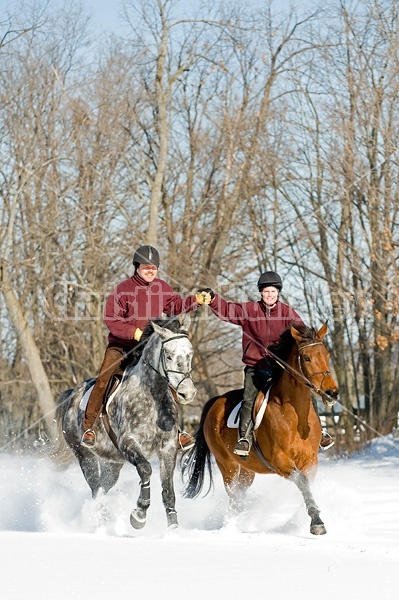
x: 133, y: 302
x: 261, y: 326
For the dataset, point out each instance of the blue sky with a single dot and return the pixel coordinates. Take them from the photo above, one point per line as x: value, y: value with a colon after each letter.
x: 106, y: 12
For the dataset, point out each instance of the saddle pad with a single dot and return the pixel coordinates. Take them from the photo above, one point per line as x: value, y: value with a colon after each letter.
x: 234, y: 417
x: 85, y: 399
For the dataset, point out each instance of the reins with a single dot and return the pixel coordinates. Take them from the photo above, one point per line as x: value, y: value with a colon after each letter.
x: 300, y: 375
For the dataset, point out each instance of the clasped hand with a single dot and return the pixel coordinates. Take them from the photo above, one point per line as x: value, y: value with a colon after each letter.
x: 204, y: 296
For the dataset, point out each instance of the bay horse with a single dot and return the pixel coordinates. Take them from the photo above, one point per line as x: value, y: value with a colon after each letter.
x: 142, y: 417
x: 287, y: 440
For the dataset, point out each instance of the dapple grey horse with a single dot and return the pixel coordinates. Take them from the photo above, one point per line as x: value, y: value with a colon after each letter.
x: 142, y: 415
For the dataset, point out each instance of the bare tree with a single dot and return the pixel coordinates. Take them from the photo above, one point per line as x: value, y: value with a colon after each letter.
x: 31, y: 101
x: 235, y: 141
x: 345, y: 176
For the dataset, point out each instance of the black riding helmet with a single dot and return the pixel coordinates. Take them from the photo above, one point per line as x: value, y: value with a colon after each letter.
x: 270, y: 278
x: 146, y: 255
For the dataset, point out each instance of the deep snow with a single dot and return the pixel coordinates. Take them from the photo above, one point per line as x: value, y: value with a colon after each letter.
x: 58, y: 543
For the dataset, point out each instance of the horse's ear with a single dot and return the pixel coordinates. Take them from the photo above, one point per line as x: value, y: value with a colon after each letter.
x: 322, y: 331
x: 296, y: 334
x: 185, y: 322
x: 159, y: 330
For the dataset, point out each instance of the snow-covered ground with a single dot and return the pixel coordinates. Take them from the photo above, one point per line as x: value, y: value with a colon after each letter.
x: 55, y: 542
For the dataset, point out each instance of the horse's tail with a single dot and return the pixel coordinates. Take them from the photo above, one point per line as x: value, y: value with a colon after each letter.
x: 59, y: 450
x: 194, y: 463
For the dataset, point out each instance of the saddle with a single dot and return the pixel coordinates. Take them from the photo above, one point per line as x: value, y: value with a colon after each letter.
x: 258, y: 409
x: 112, y: 386
x: 259, y: 401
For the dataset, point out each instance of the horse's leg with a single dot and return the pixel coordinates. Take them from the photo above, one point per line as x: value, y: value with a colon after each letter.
x: 302, y: 482
x: 236, y: 481
x: 91, y: 470
x: 138, y: 516
x: 131, y: 452
x: 109, y: 474
x: 167, y: 463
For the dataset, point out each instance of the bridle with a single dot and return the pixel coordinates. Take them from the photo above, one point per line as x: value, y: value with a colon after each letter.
x: 164, y: 372
x: 305, y: 378
x: 310, y: 375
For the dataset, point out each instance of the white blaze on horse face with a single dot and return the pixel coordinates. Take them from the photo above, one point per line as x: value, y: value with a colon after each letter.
x: 178, y: 356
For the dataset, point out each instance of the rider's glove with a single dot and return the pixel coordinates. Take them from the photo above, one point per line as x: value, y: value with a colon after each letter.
x: 205, y: 296
x: 137, y: 334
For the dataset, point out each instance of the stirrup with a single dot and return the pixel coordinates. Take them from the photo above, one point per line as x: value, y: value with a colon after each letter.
x: 326, y: 441
x: 242, y: 447
x: 88, y: 438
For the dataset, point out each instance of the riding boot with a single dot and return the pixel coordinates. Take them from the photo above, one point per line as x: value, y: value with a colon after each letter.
x: 113, y: 357
x: 246, y: 428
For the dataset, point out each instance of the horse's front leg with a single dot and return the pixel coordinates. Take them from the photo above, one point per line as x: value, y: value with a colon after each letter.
x: 302, y: 482
x: 167, y: 463
x: 138, y: 516
x: 131, y: 451
x: 236, y: 481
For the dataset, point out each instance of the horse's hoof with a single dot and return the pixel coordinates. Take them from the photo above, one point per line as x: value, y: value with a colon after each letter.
x: 172, y: 519
x: 318, y: 529
x: 137, y: 519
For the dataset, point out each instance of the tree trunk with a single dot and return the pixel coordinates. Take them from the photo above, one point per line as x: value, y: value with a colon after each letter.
x: 30, y: 351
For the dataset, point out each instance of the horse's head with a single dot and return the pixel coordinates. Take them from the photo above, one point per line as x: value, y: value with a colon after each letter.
x: 313, y: 361
x: 174, y: 357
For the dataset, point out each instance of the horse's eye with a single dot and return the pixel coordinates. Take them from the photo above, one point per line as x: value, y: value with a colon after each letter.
x: 307, y: 358
x: 168, y: 356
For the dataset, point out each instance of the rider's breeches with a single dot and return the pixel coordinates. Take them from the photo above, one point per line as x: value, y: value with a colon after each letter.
x: 254, y: 381
x: 113, y: 358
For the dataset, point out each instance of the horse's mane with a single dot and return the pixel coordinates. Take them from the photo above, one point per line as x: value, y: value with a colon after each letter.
x: 171, y: 323
x: 285, y: 343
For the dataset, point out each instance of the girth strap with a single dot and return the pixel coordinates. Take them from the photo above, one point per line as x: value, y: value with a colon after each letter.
x: 259, y: 454
x: 109, y: 430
